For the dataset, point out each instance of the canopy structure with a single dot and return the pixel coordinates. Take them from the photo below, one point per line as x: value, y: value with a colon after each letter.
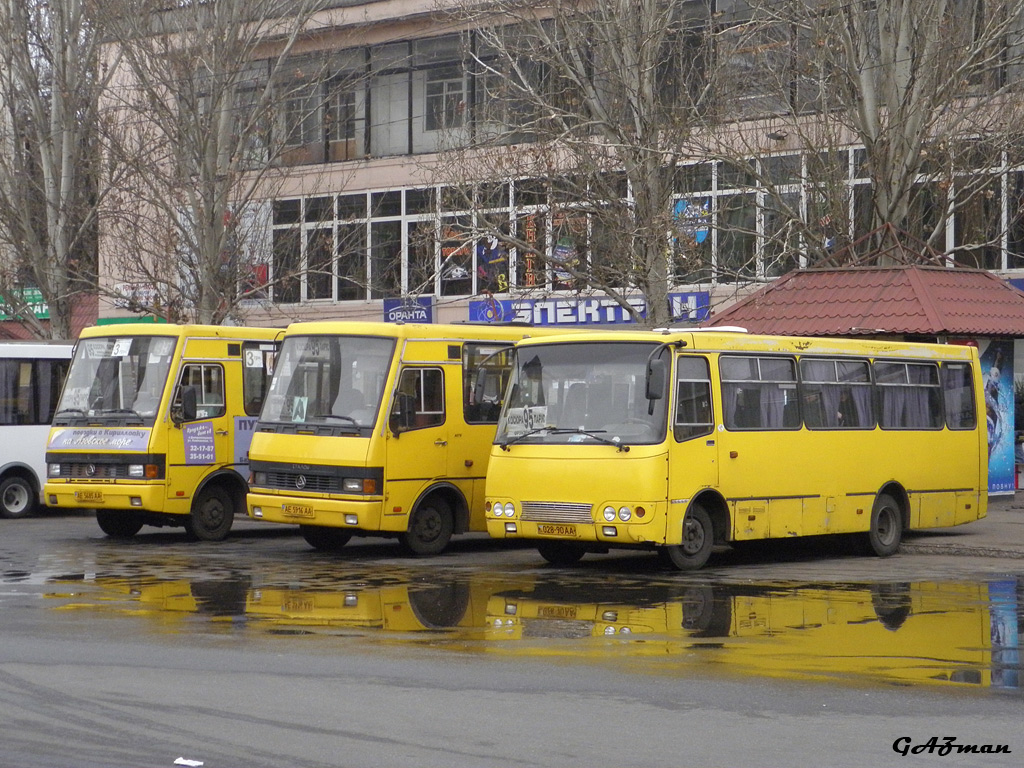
x: 913, y: 300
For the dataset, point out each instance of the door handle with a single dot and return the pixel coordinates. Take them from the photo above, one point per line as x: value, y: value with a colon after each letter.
x: 222, y: 432
x: 440, y: 443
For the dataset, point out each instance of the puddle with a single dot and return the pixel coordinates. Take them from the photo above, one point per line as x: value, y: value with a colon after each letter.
x: 953, y: 634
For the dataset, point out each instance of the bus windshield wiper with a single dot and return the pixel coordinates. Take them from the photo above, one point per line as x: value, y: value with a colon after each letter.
x: 63, y: 411
x: 594, y: 434
x: 338, y: 416
x: 526, y: 434
x: 122, y: 411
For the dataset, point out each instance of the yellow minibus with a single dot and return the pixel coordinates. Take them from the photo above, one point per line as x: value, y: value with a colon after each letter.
x: 681, y: 440
x: 154, y: 423
x: 380, y: 428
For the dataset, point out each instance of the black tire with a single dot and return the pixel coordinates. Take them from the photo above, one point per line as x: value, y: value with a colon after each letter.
x: 430, y: 528
x: 17, y: 498
x: 886, y: 531
x: 118, y: 523
x: 323, y: 538
x: 698, y: 539
x: 212, y: 514
x: 561, y: 553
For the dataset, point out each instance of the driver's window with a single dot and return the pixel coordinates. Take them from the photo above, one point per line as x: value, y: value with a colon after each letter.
x: 421, y: 397
x: 208, y: 381
x: 693, y: 399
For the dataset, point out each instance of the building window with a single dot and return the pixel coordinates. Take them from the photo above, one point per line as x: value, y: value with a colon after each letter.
x: 446, y: 99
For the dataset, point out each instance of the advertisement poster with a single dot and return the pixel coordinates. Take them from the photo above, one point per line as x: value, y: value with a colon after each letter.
x: 691, y: 307
x: 997, y: 376
x: 199, y: 445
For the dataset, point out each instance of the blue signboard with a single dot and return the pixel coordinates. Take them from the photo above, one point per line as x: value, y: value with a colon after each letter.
x: 414, y: 309
x: 685, y: 307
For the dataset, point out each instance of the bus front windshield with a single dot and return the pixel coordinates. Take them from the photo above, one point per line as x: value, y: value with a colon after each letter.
x: 329, y: 381
x: 116, y: 378
x: 581, y: 392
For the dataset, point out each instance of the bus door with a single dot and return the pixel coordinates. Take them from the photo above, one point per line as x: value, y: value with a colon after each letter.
x: 761, y: 463
x: 474, y: 404
x: 417, y: 445
x: 693, y: 463
x: 203, y: 439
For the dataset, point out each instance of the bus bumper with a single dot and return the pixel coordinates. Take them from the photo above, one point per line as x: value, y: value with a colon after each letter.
x: 356, y: 514
x: 610, y: 534
x: 144, y: 498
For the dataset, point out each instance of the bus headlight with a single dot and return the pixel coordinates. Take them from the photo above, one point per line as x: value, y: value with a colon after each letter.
x: 625, y: 513
x: 136, y: 470
x: 352, y: 485
x: 609, y: 513
x: 499, y: 509
x: 53, y: 470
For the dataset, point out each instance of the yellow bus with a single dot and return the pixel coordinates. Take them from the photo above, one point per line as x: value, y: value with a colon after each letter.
x: 380, y: 428
x: 681, y: 440
x: 154, y: 423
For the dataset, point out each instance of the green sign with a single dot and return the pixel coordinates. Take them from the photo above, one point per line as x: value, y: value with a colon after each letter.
x: 33, y: 297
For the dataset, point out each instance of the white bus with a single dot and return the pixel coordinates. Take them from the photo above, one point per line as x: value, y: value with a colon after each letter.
x: 31, y: 376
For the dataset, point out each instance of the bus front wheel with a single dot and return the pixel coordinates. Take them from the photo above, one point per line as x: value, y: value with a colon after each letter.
x: 323, y: 538
x: 563, y: 553
x: 883, y: 537
x: 17, y: 498
x: 430, y: 528
x: 212, y: 515
x: 698, y: 539
x: 117, y: 523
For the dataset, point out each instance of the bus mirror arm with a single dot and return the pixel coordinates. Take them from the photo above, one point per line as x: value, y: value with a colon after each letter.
x: 188, y: 408
x: 401, y: 417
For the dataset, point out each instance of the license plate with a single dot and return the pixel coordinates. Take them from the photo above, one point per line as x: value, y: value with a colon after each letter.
x: 89, y: 496
x: 297, y: 605
x: 297, y: 510
x: 556, y: 530
x: 557, y: 612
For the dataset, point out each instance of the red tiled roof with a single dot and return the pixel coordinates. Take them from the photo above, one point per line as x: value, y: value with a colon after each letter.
x: 892, y: 300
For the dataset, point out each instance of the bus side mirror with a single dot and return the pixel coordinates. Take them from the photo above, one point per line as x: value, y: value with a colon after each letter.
x: 401, y: 416
x: 189, y: 405
x: 657, y: 377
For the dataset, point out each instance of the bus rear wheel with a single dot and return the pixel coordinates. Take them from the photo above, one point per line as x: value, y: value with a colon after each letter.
x: 117, y: 523
x: 563, y: 553
x: 430, y: 528
x: 698, y: 539
x: 17, y: 498
x: 323, y: 538
x: 886, y: 531
x: 212, y: 515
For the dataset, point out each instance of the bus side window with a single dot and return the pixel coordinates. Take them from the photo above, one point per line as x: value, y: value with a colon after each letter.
x: 485, y: 372
x: 208, y: 382
x: 958, y: 391
x: 420, y: 399
x: 257, y: 366
x: 693, y: 416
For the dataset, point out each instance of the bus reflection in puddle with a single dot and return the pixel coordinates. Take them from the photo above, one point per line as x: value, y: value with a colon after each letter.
x: 959, y: 634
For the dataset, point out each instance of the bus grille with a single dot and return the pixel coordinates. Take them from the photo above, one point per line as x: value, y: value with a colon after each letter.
x: 304, y: 481
x: 88, y: 471
x: 556, y: 512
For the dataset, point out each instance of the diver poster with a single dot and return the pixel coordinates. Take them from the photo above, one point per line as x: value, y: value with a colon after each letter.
x: 997, y: 377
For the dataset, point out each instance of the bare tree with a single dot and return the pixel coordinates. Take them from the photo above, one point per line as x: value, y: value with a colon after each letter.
x: 611, y: 108
x: 215, y: 101
x: 927, y: 88
x: 49, y: 90
x: 590, y: 107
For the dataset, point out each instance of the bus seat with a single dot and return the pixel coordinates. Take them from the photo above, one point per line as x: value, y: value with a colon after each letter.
x: 574, y: 410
